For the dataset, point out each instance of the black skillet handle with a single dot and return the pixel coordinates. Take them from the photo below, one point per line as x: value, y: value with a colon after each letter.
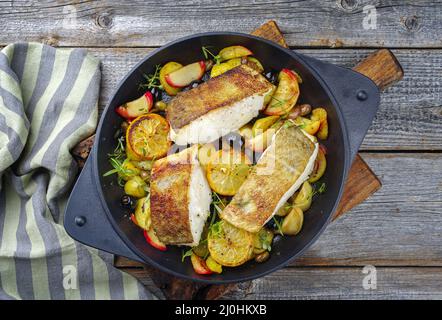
x: 86, y: 221
x: 357, y: 96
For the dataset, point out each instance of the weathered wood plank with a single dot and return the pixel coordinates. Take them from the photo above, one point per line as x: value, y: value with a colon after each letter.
x: 151, y: 23
x: 400, y: 225
x: 334, y: 283
x: 410, y: 115
x: 344, y: 283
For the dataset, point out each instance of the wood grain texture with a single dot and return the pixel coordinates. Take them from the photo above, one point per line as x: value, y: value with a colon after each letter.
x: 271, y: 31
x: 354, y: 192
x: 327, y: 23
x: 399, y: 225
x: 410, y: 114
x: 345, y: 283
x: 381, y: 67
x: 305, y: 283
x: 361, y: 183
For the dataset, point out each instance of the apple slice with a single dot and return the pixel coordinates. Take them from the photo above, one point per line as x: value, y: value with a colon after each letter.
x: 233, y: 52
x: 286, y: 94
x: 131, y: 110
x: 199, y: 265
x: 153, y: 240
x: 186, y: 75
x: 166, y: 69
x: 320, y: 166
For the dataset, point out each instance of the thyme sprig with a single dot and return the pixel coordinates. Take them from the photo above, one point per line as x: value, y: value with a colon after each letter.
x: 209, y: 55
x: 278, y: 225
x: 319, y: 190
x: 153, y: 79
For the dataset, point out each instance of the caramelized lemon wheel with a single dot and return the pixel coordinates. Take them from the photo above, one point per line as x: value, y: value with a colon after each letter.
x: 227, y: 170
x: 147, y: 136
x: 229, y: 245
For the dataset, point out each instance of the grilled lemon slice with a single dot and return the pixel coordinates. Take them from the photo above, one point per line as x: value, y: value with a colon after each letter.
x: 147, y: 136
x: 227, y: 170
x: 229, y: 245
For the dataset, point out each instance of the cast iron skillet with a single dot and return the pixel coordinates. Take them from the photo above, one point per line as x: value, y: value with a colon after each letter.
x: 94, y: 215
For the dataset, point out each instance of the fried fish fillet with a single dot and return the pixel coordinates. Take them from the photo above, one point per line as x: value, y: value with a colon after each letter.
x: 180, y: 198
x: 281, y: 170
x: 214, y: 108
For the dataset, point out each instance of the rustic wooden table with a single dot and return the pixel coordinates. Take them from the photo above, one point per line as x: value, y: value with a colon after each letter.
x: 399, y: 229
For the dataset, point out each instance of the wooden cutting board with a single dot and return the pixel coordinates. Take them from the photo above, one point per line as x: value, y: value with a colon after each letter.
x: 382, y: 67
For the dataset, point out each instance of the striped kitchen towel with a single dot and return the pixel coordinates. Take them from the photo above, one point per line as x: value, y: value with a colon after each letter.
x: 48, y: 103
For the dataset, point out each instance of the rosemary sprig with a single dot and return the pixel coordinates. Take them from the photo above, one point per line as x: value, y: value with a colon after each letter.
x: 118, y: 152
x: 209, y: 55
x: 153, y: 79
x: 118, y: 168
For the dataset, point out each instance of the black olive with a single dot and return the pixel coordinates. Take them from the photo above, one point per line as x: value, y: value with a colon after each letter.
x: 205, y: 77
x: 126, y: 201
x: 271, y: 224
x: 271, y: 76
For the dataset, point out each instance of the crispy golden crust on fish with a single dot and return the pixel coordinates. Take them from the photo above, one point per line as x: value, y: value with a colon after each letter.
x: 222, y: 91
x: 280, y: 166
x: 169, y: 199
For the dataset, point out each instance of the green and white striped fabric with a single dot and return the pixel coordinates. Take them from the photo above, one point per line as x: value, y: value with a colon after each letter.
x: 48, y: 103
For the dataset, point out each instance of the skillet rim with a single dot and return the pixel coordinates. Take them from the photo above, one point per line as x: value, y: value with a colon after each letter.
x: 149, y: 260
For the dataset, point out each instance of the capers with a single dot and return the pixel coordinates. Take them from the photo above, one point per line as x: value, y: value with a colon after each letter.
x: 160, y: 105
x: 262, y: 257
x: 292, y: 223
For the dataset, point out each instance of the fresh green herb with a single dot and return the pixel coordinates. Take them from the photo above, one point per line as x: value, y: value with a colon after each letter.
x: 217, y: 201
x: 121, y: 181
x: 186, y: 253
x: 279, y: 102
x: 216, y: 230
x: 153, y: 79
x: 265, y: 240
x: 209, y: 55
x: 288, y: 206
x: 118, y: 168
x: 288, y: 124
x: 278, y: 225
x: 319, y: 190
x: 119, y: 149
